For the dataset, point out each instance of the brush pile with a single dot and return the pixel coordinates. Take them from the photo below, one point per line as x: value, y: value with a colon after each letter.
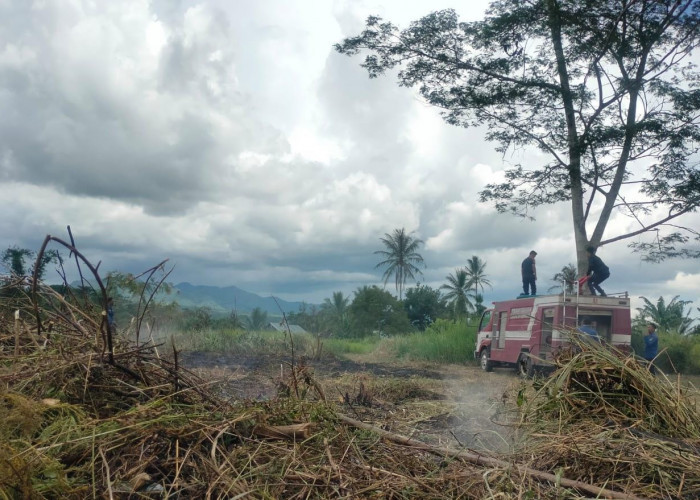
x: 603, y: 418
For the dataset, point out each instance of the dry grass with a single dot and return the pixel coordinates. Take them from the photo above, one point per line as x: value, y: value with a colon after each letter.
x: 604, y: 418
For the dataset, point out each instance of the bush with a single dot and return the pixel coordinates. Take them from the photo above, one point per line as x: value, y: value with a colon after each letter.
x: 677, y: 353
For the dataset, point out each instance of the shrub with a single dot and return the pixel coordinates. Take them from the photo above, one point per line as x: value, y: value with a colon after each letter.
x: 677, y: 353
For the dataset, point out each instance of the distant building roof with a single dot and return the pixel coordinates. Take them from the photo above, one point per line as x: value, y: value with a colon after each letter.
x: 282, y: 327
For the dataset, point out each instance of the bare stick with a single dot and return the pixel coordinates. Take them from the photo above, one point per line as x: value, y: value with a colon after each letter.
x: 291, y: 343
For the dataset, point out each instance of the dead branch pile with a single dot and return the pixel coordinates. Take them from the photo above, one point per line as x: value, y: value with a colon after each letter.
x: 603, y: 418
x: 75, y: 425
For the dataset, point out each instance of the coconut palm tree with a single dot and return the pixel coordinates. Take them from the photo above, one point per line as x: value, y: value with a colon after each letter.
x: 337, y: 305
x: 568, y: 275
x: 335, y: 313
x: 476, y: 274
x: 401, y: 258
x: 457, y: 296
x: 670, y: 317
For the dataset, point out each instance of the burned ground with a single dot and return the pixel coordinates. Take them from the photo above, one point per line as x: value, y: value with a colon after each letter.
x: 456, y: 405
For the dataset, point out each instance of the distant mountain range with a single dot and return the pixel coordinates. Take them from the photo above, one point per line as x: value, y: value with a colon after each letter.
x: 226, y: 299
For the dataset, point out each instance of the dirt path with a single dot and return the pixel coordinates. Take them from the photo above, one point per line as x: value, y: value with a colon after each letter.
x: 453, y: 405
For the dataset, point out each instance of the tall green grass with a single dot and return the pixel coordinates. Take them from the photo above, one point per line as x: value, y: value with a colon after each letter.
x: 443, y: 342
x: 339, y: 347
x: 242, y: 341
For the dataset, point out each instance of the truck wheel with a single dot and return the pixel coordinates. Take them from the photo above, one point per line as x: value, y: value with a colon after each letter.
x: 485, y: 361
x: 526, y: 368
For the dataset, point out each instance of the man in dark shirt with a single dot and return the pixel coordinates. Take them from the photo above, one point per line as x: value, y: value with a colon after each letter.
x: 597, y: 272
x: 651, y: 346
x: 529, y: 274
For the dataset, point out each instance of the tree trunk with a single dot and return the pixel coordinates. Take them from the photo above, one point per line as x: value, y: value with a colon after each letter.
x: 577, y: 211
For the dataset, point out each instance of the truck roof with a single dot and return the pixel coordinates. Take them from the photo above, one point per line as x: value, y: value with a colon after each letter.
x: 616, y: 301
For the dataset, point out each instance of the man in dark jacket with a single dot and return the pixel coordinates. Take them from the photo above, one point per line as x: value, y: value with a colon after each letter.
x: 597, y: 272
x: 651, y: 346
x: 529, y: 273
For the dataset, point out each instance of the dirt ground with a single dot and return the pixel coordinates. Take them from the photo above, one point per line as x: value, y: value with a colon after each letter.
x: 447, y: 405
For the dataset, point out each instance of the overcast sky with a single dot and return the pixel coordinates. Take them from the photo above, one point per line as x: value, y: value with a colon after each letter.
x: 230, y: 137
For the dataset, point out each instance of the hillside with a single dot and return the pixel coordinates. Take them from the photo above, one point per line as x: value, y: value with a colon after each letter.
x: 225, y: 299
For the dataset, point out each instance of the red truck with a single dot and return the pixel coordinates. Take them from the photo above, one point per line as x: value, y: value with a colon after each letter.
x: 523, y: 333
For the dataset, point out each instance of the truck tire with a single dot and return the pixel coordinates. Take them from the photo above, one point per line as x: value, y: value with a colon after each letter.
x: 526, y: 367
x: 485, y: 361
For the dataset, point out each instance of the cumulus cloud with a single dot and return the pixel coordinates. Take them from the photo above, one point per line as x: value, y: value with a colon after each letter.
x: 233, y: 139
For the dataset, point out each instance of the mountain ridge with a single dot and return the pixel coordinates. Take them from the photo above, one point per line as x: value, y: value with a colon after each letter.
x: 226, y: 299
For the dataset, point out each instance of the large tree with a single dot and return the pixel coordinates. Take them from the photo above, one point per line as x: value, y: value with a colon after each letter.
x: 604, y: 88
x: 401, y: 258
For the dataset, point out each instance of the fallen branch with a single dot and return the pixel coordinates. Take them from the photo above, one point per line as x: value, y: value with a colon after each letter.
x: 483, y: 460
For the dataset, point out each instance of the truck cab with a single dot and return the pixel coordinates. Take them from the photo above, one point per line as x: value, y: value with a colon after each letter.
x: 524, y: 333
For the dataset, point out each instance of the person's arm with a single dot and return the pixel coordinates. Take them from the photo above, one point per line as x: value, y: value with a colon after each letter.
x: 534, y: 270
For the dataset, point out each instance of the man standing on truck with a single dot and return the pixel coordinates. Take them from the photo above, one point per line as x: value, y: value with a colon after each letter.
x: 597, y: 272
x: 529, y: 273
x: 651, y: 346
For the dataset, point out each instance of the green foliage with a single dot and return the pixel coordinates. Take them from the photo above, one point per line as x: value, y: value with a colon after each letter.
x: 423, y: 306
x: 241, y: 341
x: 310, y: 318
x: 376, y: 310
x: 128, y: 287
x: 340, y: 346
x: 569, y: 276
x: 669, y: 318
x: 677, y: 353
x: 335, y: 315
x: 458, y: 293
x: 21, y: 261
x: 476, y: 274
x: 257, y: 320
x: 602, y: 89
x: 443, y: 342
x: 401, y: 257
x: 198, y: 319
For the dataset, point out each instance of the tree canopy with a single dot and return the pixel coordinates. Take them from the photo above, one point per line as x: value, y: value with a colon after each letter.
x: 604, y: 88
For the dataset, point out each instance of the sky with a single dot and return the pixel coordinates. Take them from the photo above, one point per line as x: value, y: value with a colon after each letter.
x: 231, y: 138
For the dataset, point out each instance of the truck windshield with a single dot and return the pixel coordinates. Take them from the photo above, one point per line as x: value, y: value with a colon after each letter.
x: 485, y: 318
